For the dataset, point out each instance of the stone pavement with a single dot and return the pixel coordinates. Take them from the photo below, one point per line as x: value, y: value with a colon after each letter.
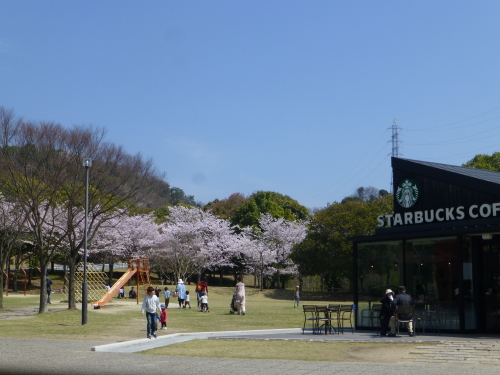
x: 455, y: 354
x: 485, y: 352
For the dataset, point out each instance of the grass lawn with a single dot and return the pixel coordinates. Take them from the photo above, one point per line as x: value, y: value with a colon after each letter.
x: 121, y: 320
x: 291, y: 350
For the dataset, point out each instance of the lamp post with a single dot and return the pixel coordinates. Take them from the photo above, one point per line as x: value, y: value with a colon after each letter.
x: 87, y: 163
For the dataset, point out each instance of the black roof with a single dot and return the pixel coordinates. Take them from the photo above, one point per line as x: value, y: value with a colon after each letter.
x: 479, y: 179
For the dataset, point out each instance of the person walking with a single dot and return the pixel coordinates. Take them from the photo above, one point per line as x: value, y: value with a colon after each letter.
x: 296, y: 297
x: 163, y: 316
x: 181, y: 289
x: 150, y: 305
x: 240, y: 296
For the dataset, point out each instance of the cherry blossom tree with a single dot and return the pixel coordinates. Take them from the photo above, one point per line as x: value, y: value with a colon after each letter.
x: 194, y: 240
x: 272, y: 243
x: 125, y: 237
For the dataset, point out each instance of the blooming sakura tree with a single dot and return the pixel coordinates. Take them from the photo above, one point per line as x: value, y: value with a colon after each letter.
x: 124, y: 237
x: 275, y: 239
x: 194, y: 240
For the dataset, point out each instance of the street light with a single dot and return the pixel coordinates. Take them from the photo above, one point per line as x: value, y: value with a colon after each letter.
x: 87, y: 163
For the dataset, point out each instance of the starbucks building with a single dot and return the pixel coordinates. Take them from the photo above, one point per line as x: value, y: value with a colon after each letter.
x: 442, y: 242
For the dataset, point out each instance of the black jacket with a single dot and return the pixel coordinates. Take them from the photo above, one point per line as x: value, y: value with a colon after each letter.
x: 403, y: 299
x: 388, y: 308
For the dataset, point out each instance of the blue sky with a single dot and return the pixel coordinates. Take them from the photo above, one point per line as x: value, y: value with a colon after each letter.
x: 239, y: 96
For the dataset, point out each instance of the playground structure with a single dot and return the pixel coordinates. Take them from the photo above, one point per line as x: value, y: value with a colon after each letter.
x: 138, y: 267
x: 7, y: 280
x: 95, y: 281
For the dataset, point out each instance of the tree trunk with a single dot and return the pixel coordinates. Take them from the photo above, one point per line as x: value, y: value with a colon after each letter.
x: 110, y: 279
x: 261, y: 272
x: 42, y: 308
x: 1, y: 286
x: 30, y: 271
x: 71, y: 284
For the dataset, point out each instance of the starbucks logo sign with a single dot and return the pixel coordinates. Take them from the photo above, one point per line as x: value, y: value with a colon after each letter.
x: 407, y: 193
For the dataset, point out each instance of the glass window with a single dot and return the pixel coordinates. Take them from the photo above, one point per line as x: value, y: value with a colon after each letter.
x: 379, y: 265
x: 432, y: 278
x: 468, y: 292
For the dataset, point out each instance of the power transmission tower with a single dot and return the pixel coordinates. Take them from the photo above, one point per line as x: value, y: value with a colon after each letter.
x: 395, y: 145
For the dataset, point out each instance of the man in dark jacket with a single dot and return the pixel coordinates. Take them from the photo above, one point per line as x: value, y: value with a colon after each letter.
x: 402, y: 299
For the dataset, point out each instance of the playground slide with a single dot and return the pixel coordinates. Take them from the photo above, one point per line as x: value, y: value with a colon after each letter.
x: 115, y: 288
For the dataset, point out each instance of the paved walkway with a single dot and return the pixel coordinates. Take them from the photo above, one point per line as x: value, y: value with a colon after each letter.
x: 455, y: 354
x: 464, y: 349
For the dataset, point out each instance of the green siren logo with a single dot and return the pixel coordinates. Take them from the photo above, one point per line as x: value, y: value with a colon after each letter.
x: 407, y: 193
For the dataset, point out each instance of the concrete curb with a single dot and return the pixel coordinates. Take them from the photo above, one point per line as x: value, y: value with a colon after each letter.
x: 175, y: 338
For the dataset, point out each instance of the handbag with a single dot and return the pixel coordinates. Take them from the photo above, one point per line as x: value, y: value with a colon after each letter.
x: 175, y: 294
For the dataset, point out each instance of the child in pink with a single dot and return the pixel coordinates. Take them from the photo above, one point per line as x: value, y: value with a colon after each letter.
x: 163, y: 316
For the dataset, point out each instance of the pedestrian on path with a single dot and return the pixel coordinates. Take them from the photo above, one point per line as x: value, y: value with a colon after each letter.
x: 150, y: 305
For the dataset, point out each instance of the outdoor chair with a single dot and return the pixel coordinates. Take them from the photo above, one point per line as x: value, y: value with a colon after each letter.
x: 374, y: 316
x: 431, y: 316
x: 334, y: 315
x: 310, y: 317
x: 345, y: 316
x: 406, y: 310
x: 324, y: 317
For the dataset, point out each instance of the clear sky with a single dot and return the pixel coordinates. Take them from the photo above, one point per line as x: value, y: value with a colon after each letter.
x: 290, y: 96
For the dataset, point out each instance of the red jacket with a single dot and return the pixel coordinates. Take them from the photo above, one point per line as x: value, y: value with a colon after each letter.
x: 202, y: 286
x: 164, y: 315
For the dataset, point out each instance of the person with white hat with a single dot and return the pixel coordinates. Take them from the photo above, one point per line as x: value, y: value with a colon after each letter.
x: 387, y: 311
x: 181, y: 289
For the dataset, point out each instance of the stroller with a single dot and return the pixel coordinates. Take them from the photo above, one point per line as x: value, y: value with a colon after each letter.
x: 233, y: 305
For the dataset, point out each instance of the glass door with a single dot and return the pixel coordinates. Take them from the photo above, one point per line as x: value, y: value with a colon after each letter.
x: 491, y: 287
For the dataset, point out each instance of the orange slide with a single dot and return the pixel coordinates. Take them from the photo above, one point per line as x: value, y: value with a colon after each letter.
x: 115, y: 288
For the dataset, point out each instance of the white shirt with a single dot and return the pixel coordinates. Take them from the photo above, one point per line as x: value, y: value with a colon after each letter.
x: 150, y: 304
x: 204, y: 298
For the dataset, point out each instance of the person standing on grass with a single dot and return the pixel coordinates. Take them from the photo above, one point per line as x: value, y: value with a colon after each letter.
x: 240, y: 296
x: 187, y: 302
x: 48, y: 286
x: 201, y: 289
x: 204, y: 303
x: 150, y: 305
x: 164, y: 317
x: 181, y: 289
x: 167, y: 297
x: 296, y: 297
